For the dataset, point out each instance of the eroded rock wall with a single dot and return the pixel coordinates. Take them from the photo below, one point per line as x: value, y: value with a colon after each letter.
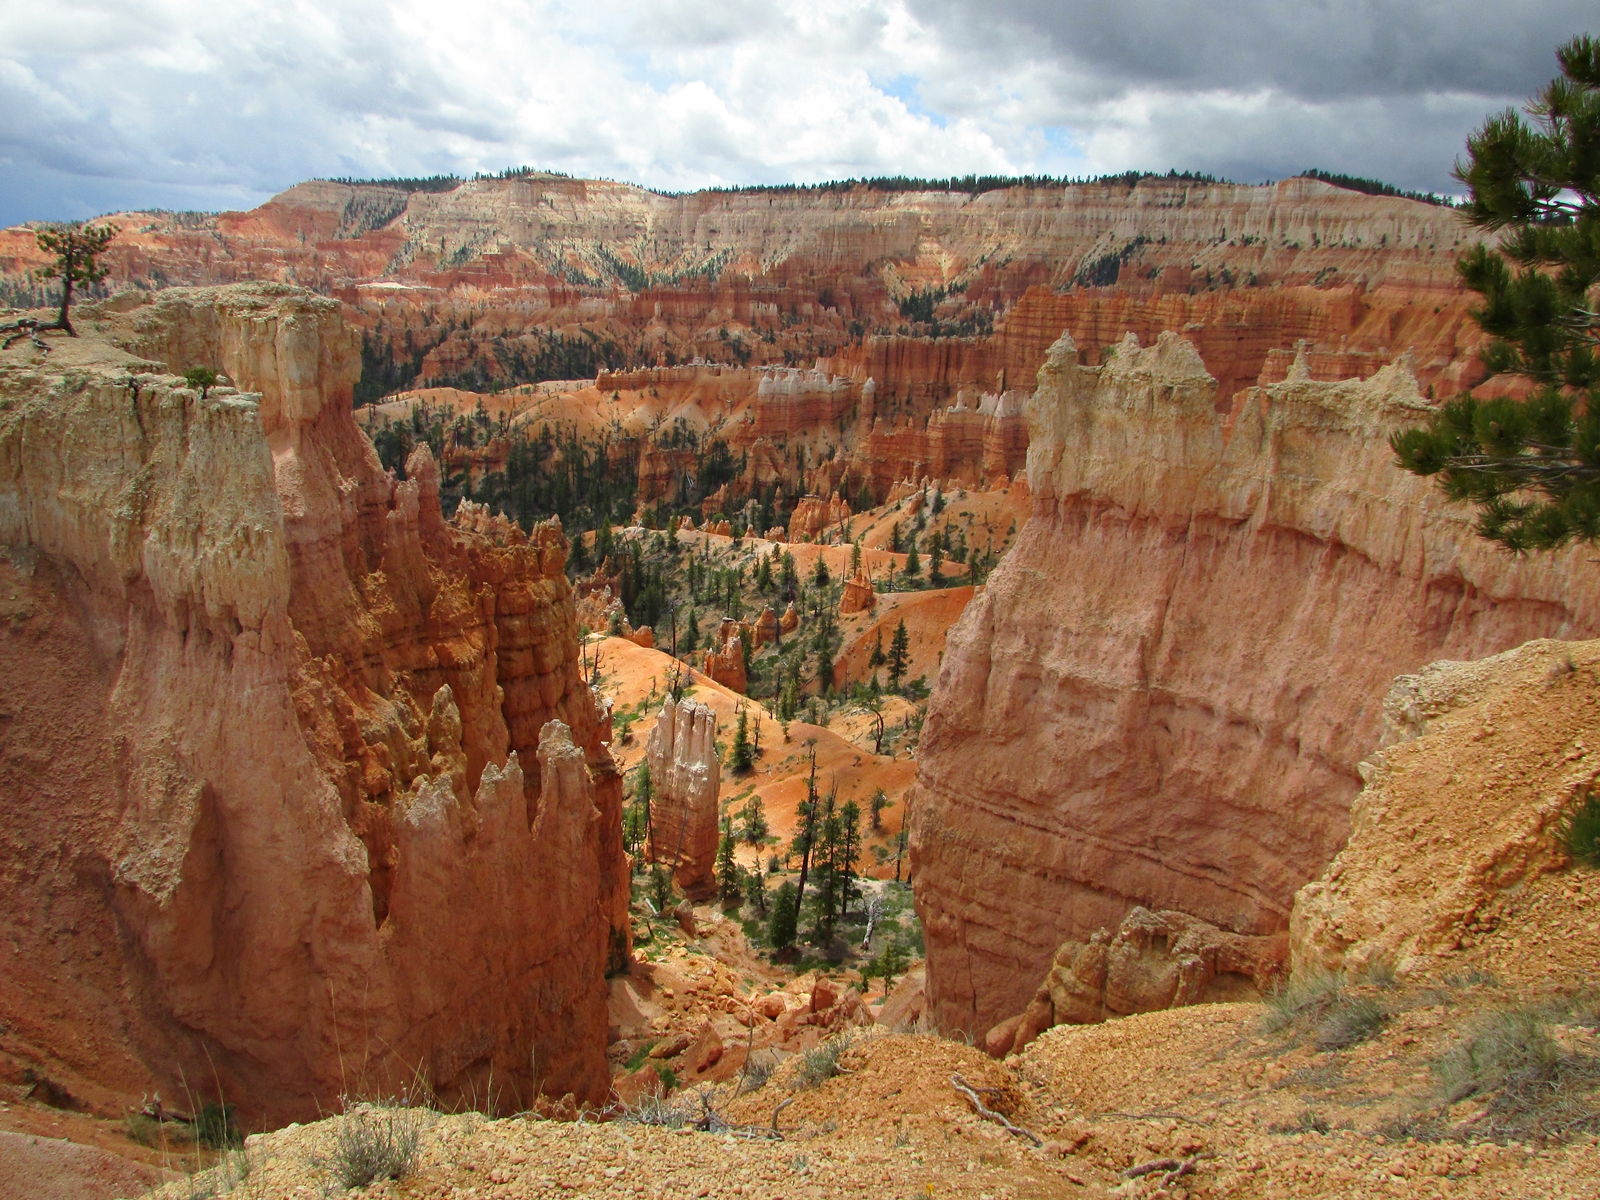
x: 296, y: 838
x: 1162, y: 696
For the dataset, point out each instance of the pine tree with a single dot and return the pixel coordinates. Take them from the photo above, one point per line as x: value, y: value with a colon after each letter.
x: 785, y: 918
x: 740, y: 756
x: 642, y: 793
x: 755, y: 890
x: 849, y: 854
x: 661, y: 888
x: 805, y: 837
x: 935, y: 555
x: 578, y: 560
x: 830, y: 836
x: 855, y: 559
x: 764, y: 574
x: 690, y: 641
x: 730, y: 876
x: 876, y: 658
x: 894, y: 538
x: 77, y: 249
x: 1531, y: 467
x: 913, y: 563
x: 633, y: 835
x: 890, y: 962
x: 755, y: 821
x: 899, y: 655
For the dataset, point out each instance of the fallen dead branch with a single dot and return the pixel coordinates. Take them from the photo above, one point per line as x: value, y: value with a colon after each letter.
x: 1175, y: 1169
x: 25, y: 327
x: 775, y: 1131
x: 989, y: 1114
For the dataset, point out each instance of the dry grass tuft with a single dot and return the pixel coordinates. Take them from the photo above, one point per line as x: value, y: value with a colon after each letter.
x: 376, y: 1143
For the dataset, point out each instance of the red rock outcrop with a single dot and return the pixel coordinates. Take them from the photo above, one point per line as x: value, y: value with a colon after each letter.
x: 1153, y: 961
x: 765, y: 630
x: 1162, y: 695
x: 858, y: 595
x: 685, y: 774
x: 724, y: 659
x: 813, y: 518
x: 278, y: 708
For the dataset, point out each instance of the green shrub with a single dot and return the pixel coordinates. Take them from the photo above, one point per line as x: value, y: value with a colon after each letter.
x: 1350, y: 1021
x: 642, y: 1052
x: 1310, y: 994
x: 202, y: 379
x: 822, y: 1062
x: 1579, y: 832
x: 1512, y: 1048
x: 1527, y: 1085
x: 375, y: 1143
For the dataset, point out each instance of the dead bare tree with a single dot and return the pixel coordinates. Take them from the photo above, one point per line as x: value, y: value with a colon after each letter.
x: 874, y: 914
x: 874, y: 709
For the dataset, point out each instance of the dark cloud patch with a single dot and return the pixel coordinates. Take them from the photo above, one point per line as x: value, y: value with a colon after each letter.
x: 1316, y: 51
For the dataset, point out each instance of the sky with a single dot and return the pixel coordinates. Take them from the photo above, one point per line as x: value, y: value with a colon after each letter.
x: 212, y: 104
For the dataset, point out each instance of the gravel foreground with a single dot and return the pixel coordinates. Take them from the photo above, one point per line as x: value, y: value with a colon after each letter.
x: 1203, y: 1088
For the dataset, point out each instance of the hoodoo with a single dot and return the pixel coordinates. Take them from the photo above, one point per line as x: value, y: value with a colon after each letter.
x: 286, y: 751
x: 686, y: 775
x: 1163, y: 694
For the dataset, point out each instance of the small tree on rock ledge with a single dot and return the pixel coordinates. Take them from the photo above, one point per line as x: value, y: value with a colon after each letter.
x: 77, y: 250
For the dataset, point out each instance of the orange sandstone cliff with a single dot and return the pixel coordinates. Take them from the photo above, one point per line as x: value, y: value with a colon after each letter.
x: 305, y: 794
x: 1162, y: 697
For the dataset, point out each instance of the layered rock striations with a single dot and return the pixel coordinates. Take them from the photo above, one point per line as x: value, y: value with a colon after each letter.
x: 685, y: 775
x: 1163, y: 694
x: 319, y: 765
x: 485, y: 284
x: 748, y: 254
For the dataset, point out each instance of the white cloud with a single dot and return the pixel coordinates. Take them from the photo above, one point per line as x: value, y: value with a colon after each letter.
x: 115, y: 103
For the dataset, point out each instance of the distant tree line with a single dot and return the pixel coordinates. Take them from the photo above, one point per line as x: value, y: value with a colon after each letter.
x: 1374, y: 187
x: 973, y: 185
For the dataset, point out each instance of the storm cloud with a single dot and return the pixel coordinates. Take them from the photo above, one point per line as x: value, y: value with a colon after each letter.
x: 190, y: 104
